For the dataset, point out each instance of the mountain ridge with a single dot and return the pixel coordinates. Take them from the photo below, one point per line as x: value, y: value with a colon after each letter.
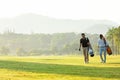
x: 27, y: 23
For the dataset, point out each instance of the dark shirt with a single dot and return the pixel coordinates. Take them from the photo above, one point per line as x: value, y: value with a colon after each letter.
x: 84, y: 42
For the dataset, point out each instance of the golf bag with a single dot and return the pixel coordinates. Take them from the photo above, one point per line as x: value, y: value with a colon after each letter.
x: 109, y: 51
x: 91, y: 52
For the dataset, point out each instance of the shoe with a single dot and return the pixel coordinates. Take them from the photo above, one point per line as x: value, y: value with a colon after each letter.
x: 86, y: 62
x: 104, y: 61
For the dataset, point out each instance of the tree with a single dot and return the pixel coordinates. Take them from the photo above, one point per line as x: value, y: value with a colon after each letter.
x: 113, y: 36
x: 4, y: 50
x: 21, y: 52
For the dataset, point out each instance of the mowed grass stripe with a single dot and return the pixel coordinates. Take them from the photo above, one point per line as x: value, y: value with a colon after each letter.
x: 43, y: 65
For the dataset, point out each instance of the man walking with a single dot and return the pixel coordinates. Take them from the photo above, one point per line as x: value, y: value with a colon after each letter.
x: 84, y: 42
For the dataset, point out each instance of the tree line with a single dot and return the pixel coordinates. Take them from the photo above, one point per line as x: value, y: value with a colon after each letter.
x: 43, y: 44
x: 113, y: 35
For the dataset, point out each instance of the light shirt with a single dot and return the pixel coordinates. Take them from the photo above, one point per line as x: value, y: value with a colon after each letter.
x: 101, y: 43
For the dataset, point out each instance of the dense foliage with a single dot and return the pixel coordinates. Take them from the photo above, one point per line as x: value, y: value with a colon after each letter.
x: 113, y: 36
x: 42, y: 44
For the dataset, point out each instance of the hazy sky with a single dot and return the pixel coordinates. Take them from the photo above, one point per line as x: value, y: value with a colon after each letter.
x: 66, y: 9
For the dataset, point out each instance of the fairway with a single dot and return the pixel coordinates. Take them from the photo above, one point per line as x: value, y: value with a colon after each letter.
x: 58, y: 68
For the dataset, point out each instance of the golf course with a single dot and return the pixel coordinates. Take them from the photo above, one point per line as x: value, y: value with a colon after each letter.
x: 59, y: 40
x: 58, y: 68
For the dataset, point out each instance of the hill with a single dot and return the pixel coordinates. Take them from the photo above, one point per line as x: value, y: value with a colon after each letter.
x: 32, y: 23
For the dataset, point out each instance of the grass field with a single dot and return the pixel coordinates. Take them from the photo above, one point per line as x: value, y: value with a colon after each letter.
x: 58, y: 68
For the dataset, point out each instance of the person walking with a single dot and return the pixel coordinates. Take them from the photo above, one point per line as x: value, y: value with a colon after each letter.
x: 102, y: 44
x: 84, y: 42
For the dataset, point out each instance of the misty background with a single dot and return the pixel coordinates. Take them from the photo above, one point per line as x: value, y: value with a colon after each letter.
x: 54, y: 27
x: 32, y: 35
x: 33, y: 23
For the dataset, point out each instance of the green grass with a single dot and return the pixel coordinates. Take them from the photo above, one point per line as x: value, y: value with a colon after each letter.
x: 58, y: 68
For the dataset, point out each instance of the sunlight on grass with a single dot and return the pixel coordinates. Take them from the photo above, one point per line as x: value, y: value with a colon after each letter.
x: 18, y: 75
x: 58, y: 68
x: 112, y: 61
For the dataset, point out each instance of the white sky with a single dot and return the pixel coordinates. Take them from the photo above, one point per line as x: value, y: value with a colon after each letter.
x: 66, y: 9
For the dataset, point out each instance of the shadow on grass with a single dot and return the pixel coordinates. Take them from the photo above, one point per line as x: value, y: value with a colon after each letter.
x: 86, y: 71
x: 114, y: 63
